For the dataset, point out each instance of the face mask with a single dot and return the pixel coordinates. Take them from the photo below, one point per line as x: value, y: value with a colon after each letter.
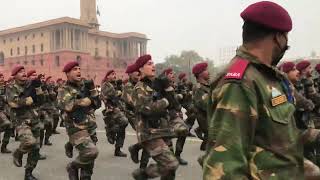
x: 277, y: 59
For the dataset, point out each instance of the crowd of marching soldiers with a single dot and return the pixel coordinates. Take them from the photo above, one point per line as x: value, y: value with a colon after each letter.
x: 32, y: 105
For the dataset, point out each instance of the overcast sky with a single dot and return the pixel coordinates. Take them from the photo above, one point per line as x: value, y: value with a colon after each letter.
x: 174, y: 25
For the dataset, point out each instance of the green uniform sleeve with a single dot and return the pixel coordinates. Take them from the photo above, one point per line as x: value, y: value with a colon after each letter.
x: 200, y: 99
x: 66, y: 100
x: 232, y: 127
x: 13, y: 98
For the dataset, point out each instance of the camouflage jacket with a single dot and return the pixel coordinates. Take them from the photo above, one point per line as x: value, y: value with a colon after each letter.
x: 151, y: 112
x: 127, y: 94
x: 50, y: 97
x: 200, y: 97
x: 78, y: 117
x: 307, y: 87
x: 182, y: 88
x: 252, y: 130
x: 111, y: 96
x: 20, y: 111
x: 2, y: 96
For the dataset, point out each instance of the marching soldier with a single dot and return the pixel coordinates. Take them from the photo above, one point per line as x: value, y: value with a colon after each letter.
x: 151, y: 110
x: 5, y: 124
x: 200, y: 99
x: 115, y: 120
x: 21, y: 96
x: 78, y: 99
x: 252, y: 129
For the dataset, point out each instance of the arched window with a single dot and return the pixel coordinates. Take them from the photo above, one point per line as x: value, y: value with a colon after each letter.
x: 1, y: 58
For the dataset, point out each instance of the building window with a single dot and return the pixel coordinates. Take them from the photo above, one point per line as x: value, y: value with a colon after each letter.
x: 79, y: 60
x: 25, y: 37
x: 114, y: 43
x: 57, y: 35
x: 10, y: 39
x: 25, y: 50
x: 33, y: 36
x: 97, y: 41
x: 96, y: 52
x: 41, y: 62
x: 25, y: 62
x: 4, y: 41
x: 18, y: 39
x: 41, y: 47
x: 41, y: 34
x: 107, y: 43
x: 107, y: 53
x: 1, y: 58
x: 57, y: 61
x: 11, y: 52
x: 33, y: 49
x: 33, y: 62
x: 18, y: 51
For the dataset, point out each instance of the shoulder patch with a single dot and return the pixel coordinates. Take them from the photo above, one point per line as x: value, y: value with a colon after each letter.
x: 237, y: 69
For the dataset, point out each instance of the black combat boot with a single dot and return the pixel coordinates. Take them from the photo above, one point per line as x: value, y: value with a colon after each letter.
x: 4, y: 149
x: 17, y: 158
x: 181, y: 161
x: 134, y: 153
x: 47, y: 142
x: 68, y: 149
x: 139, y: 174
x: 119, y: 153
x: 28, y: 174
x: 73, y: 172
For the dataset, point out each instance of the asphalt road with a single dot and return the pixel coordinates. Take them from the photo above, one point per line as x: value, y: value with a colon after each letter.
x: 107, y: 166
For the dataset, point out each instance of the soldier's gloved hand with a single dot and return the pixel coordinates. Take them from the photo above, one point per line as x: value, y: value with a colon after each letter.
x: 84, y: 102
x: 29, y: 101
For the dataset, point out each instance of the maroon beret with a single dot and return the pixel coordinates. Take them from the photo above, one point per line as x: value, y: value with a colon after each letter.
x: 268, y: 14
x: 142, y: 60
x: 1, y: 74
x: 167, y: 71
x: 67, y: 68
x: 49, y: 77
x: 131, y: 69
x: 182, y: 75
x: 59, y: 79
x: 302, y: 65
x: 109, y: 72
x: 317, y: 68
x: 199, y: 68
x: 16, y: 69
x: 287, y: 67
x: 29, y: 73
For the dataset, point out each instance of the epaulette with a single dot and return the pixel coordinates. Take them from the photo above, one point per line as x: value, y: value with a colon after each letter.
x: 237, y: 69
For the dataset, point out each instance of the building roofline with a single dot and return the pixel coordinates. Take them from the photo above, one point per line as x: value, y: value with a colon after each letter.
x: 119, y: 35
x: 44, y: 24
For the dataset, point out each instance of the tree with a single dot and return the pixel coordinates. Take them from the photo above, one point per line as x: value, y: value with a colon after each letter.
x: 184, y: 63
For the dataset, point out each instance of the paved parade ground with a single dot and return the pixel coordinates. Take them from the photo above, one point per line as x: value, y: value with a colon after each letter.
x: 107, y: 166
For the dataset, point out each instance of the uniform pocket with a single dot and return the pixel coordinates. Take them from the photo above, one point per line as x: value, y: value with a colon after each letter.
x: 281, y: 113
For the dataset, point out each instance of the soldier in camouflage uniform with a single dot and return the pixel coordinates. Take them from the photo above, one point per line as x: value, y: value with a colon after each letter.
x: 5, y: 124
x: 200, y: 99
x: 78, y: 99
x: 21, y: 95
x: 306, y: 87
x: 115, y: 119
x: 60, y: 84
x: 151, y: 111
x: 186, y: 102
x: 252, y: 129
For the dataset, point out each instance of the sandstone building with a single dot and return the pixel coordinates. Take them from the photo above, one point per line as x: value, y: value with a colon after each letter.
x: 48, y: 45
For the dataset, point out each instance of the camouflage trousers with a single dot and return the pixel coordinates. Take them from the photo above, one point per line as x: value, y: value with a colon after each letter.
x: 116, y: 123
x: 46, y: 125
x: 6, y: 127
x: 191, y: 117
x: 166, y: 162
x: 29, y: 137
x: 88, y: 151
x: 131, y: 118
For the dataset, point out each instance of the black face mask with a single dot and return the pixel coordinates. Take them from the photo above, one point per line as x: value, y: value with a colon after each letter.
x: 277, y: 59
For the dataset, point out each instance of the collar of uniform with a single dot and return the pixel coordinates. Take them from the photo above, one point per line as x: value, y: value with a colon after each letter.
x: 244, y: 53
